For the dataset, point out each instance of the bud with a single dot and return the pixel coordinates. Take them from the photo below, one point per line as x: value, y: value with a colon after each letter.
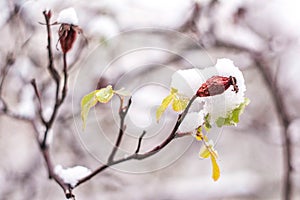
x: 67, y: 36
x: 217, y: 85
x: 69, y: 28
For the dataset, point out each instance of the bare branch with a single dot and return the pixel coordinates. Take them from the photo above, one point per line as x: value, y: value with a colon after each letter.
x: 140, y: 142
x: 122, y: 113
x: 37, y: 94
x: 137, y: 156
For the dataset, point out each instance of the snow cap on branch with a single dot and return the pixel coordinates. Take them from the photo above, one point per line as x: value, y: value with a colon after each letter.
x: 68, y: 16
x: 191, y: 121
x: 187, y: 81
x: 219, y: 105
x: 71, y: 175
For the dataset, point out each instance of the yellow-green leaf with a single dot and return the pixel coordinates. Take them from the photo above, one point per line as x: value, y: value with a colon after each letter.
x: 87, y: 102
x: 165, y: 103
x: 215, y: 167
x: 232, y: 118
x: 204, y: 152
x: 179, y: 103
x: 105, y: 94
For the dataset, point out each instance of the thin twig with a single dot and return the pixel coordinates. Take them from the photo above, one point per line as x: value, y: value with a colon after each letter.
x: 140, y: 142
x: 9, y: 61
x: 122, y: 113
x: 137, y: 156
x: 37, y: 94
x: 58, y: 100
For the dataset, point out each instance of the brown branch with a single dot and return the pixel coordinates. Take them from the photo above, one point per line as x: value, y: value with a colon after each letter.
x: 122, y: 113
x: 10, y: 59
x: 37, y: 94
x: 264, y: 68
x: 137, y: 156
x: 56, y: 77
x: 285, y: 120
x: 58, y: 102
x: 140, y: 142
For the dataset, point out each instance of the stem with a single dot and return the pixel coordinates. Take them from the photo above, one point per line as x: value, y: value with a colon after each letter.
x: 122, y: 113
x: 140, y: 142
x: 171, y: 136
x: 147, y: 154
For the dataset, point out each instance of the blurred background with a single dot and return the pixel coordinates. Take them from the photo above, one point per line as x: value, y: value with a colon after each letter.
x: 138, y: 45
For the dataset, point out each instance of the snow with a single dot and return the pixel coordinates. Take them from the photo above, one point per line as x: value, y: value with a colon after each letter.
x: 4, y: 14
x: 188, y: 82
x: 102, y: 27
x: 219, y: 105
x: 191, y: 121
x: 71, y: 175
x: 68, y: 16
x: 26, y: 107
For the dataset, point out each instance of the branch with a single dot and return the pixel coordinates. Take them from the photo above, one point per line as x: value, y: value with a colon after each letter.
x: 137, y: 156
x: 122, y: 113
x: 140, y: 142
x: 66, y: 187
x: 58, y: 102
x: 37, y: 94
x: 9, y: 62
x: 56, y: 77
x: 284, y: 120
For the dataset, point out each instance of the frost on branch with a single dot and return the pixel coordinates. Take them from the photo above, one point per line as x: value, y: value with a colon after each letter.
x: 191, y: 121
x: 71, y: 175
x: 68, y: 16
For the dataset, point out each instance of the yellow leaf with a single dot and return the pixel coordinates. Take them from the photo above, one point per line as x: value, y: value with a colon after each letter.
x: 215, y: 168
x: 204, y: 152
x: 87, y: 102
x: 207, y: 151
x: 105, y: 94
x: 165, y: 103
x: 179, y: 103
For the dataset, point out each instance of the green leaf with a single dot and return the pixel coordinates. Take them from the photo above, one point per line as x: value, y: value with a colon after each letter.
x: 232, y: 117
x: 87, y: 102
x: 105, y: 94
x: 207, y: 125
x: 165, y: 103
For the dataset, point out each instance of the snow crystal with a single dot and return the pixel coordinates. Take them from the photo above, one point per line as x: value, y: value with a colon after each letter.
x: 71, y: 175
x: 68, y: 16
x: 191, y: 121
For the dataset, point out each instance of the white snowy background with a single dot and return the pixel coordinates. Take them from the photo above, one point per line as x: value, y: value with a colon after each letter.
x: 135, y: 44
